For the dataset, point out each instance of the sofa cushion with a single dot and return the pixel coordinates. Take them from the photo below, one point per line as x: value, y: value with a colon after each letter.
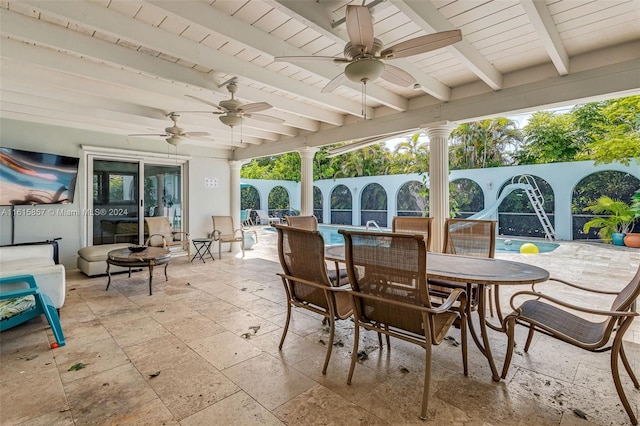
x: 28, y: 263
x: 15, y: 306
x: 100, y: 252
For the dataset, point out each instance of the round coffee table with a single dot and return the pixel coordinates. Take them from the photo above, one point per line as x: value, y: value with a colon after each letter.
x: 149, y: 257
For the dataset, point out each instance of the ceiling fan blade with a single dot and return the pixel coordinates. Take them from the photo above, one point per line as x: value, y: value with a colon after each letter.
x: 265, y: 118
x: 422, y: 44
x: 195, y: 134
x: 360, y: 26
x: 304, y: 58
x: 205, y: 102
x: 164, y: 135
x: 255, y: 107
x: 333, y: 84
x: 397, y: 76
x: 201, y: 138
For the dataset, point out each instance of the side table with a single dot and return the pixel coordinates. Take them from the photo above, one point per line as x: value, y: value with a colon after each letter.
x: 203, y: 248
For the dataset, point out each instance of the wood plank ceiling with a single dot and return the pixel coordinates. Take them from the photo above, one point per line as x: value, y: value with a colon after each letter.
x: 121, y: 66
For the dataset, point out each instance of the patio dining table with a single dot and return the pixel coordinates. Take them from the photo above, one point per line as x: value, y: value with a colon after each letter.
x: 473, y: 270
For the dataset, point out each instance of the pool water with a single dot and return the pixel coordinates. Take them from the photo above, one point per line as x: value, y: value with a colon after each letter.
x: 503, y: 245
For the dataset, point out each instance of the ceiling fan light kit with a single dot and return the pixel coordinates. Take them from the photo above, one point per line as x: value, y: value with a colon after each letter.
x: 364, y: 70
x: 231, y: 120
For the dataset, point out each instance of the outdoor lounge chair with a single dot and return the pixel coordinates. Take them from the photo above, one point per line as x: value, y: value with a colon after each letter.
x: 554, y: 318
x: 467, y: 237
x: 307, y: 283
x: 161, y: 234
x: 245, y: 217
x: 225, y: 232
x: 388, y: 277
x: 18, y: 306
x: 265, y: 219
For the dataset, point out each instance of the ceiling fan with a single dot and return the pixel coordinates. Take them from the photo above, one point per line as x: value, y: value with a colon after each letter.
x: 364, y: 54
x: 176, y: 135
x: 232, y: 111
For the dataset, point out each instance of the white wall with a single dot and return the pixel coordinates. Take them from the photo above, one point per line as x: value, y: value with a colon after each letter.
x: 202, y: 202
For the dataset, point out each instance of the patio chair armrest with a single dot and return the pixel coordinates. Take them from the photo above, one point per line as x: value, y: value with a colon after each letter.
x: 19, y: 293
x: 215, y: 234
x: 315, y: 284
x: 569, y: 305
x: 174, y: 233
x: 398, y: 303
x: 591, y: 290
x: 164, y: 240
x: 456, y: 295
x: 241, y: 231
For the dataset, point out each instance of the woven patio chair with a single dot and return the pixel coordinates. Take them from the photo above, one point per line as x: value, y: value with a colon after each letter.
x: 388, y: 278
x: 559, y: 319
x: 413, y: 225
x: 307, y: 283
x: 467, y: 237
x: 338, y: 276
x: 161, y: 234
x: 225, y: 232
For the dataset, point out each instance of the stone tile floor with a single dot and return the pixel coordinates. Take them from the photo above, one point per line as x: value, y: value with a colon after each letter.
x: 203, y: 351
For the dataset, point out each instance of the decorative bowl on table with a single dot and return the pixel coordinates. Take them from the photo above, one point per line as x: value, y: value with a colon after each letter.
x: 137, y: 249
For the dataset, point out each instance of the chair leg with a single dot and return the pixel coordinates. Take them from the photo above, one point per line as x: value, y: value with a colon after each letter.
x: 219, y: 249
x: 354, y: 353
x: 627, y: 366
x: 511, y: 340
x: 242, y: 245
x: 286, y: 326
x: 332, y: 331
x: 52, y: 318
x: 427, y: 381
x: 615, y: 351
x: 463, y: 338
x: 529, y: 337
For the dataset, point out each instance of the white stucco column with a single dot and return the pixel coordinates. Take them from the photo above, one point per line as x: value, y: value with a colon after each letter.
x: 234, y: 193
x: 306, y: 180
x: 438, y: 134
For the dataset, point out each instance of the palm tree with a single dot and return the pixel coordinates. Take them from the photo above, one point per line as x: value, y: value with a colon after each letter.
x: 485, y: 143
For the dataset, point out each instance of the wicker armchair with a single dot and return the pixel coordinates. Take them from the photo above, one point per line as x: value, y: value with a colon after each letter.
x: 161, y: 234
x: 413, y: 225
x: 467, y: 237
x: 306, y: 282
x: 338, y: 276
x: 553, y: 317
x: 388, y: 277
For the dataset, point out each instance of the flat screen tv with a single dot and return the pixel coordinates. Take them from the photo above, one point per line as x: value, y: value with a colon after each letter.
x: 36, y: 178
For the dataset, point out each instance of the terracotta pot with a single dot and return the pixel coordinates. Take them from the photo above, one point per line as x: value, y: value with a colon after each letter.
x: 632, y: 239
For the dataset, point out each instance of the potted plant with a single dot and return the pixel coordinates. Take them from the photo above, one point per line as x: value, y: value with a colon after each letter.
x: 632, y: 239
x: 616, y: 223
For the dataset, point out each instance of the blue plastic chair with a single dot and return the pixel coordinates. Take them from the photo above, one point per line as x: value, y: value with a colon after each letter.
x: 43, y: 305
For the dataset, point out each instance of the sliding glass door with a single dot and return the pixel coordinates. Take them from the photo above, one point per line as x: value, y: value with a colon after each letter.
x: 115, y: 202
x: 124, y: 192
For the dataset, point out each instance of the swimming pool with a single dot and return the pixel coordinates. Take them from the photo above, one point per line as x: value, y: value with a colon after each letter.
x: 503, y: 244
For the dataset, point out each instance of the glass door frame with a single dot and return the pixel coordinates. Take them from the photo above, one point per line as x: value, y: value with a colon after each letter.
x: 141, y: 158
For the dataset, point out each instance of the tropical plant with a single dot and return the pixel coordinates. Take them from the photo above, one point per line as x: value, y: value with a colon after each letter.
x: 617, y: 217
x: 635, y: 204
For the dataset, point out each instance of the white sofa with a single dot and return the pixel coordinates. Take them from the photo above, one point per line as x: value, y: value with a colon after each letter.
x: 36, y: 260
